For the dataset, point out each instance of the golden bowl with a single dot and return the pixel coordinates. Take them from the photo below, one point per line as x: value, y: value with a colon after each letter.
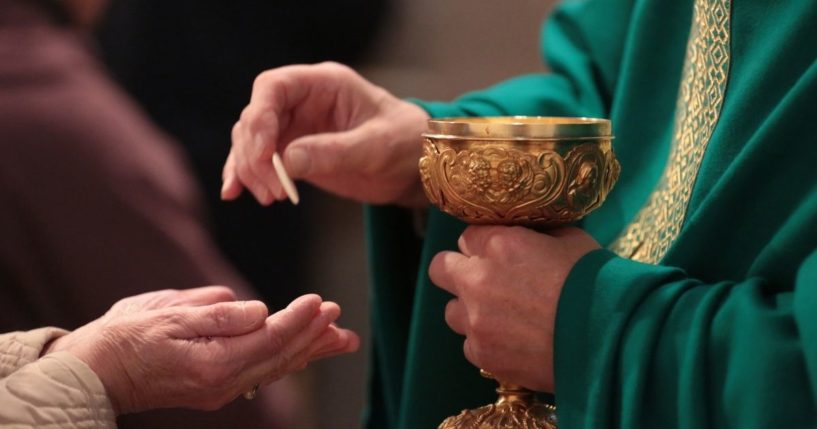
x: 532, y: 171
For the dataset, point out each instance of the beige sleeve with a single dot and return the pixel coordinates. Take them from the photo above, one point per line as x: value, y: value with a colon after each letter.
x: 18, y: 349
x: 56, y: 391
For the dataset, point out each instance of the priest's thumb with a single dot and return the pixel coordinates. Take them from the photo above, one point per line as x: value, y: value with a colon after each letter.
x: 327, y: 154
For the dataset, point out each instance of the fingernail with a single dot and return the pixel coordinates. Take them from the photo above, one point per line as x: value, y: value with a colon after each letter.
x: 254, y: 309
x: 226, y: 185
x: 298, y: 162
x: 330, y: 310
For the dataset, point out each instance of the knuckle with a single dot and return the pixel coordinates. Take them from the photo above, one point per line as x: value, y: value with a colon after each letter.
x: 263, y: 79
x: 462, y: 242
x: 498, y: 243
x: 518, y: 233
x: 220, y: 316
x: 246, y: 176
x: 117, y: 307
x: 478, y: 278
x: 264, y: 119
x: 248, y: 116
x: 219, y: 353
x: 167, y: 295
x: 481, y: 327
x: 131, y: 299
x: 469, y: 234
x: 477, y: 326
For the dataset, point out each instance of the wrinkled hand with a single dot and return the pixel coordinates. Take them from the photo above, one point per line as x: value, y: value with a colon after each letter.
x: 333, y: 129
x: 199, y: 348
x: 507, y: 283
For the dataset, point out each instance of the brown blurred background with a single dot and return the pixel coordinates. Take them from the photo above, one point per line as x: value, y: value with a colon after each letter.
x: 419, y: 48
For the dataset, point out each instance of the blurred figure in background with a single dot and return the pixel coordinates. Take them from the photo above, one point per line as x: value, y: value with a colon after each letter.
x: 191, y: 63
x: 95, y: 203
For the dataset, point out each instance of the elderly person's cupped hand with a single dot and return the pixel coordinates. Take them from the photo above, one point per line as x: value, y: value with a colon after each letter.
x: 199, y: 348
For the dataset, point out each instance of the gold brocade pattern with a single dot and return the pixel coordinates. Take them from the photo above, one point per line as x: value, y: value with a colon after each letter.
x: 703, y: 85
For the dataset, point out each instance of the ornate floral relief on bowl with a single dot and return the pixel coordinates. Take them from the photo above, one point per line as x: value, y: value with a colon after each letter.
x: 516, y: 181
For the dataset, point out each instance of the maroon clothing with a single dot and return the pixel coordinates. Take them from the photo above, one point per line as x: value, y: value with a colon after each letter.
x: 95, y: 203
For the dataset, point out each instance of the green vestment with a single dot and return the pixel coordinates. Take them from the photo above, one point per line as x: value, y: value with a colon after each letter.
x: 702, y: 310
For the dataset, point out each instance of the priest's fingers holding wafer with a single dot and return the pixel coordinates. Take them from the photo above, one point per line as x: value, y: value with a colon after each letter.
x: 238, y: 174
x: 244, y: 169
x: 347, y: 136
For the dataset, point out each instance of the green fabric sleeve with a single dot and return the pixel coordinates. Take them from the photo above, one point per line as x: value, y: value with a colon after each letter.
x: 645, y: 346
x: 583, y: 43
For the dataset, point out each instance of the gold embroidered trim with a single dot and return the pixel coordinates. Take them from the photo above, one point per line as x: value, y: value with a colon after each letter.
x: 703, y: 85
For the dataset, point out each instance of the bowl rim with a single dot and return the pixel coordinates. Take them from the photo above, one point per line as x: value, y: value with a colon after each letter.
x: 519, y: 128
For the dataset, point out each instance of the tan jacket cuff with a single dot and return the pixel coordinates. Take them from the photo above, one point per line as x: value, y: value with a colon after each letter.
x: 57, y: 391
x: 18, y: 349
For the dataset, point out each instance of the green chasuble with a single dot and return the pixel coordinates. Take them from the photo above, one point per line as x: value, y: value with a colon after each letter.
x: 701, y: 311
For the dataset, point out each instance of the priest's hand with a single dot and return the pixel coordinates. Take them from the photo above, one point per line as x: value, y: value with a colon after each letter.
x: 332, y: 128
x: 199, y: 348
x: 506, y: 284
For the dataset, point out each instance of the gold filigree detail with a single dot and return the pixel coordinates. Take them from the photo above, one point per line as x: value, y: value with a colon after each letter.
x: 700, y: 98
x: 502, y: 182
x: 517, y: 408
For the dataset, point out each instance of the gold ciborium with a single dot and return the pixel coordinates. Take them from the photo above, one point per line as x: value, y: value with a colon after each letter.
x: 539, y: 172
